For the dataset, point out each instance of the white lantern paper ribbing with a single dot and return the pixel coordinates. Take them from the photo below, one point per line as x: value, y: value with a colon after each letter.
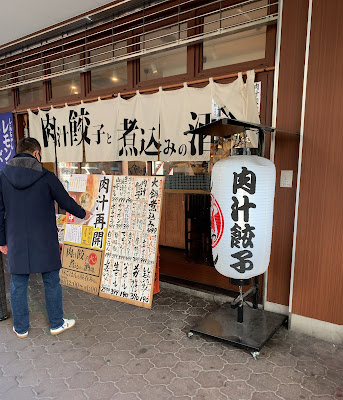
x: 242, y: 201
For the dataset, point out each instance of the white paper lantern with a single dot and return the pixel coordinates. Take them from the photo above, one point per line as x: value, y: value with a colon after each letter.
x: 242, y: 201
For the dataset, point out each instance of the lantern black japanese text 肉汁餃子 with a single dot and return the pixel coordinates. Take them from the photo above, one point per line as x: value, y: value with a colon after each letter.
x: 242, y: 200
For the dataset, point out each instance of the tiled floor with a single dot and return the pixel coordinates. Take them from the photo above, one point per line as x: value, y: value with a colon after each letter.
x: 118, y: 351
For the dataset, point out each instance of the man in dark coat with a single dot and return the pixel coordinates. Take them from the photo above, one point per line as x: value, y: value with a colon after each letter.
x: 28, y: 233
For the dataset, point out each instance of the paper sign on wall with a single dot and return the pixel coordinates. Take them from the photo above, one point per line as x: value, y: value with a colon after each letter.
x: 60, y: 223
x: 93, y: 193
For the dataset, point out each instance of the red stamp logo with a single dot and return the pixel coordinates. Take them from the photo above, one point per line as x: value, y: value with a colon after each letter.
x: 217, y: 222
x: 92, y: 259
x: 70, y: 219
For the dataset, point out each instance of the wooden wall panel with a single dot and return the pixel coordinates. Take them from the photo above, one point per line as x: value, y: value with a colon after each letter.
x: 292, y: 56
x: 318, y: 279
x: 162, y: 238
x: 173, y: 220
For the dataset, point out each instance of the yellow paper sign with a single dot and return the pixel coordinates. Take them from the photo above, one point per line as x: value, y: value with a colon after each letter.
x: 87, y: 234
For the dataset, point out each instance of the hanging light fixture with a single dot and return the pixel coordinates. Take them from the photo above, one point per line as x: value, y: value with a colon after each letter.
x: 153, y: 68
x: 114, y: 77
x: 73, y: 87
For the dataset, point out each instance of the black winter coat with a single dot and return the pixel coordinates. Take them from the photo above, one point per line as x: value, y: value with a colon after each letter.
x: 27, y: 215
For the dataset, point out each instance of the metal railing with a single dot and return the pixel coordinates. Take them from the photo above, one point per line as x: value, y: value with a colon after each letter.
x: 185, y: 30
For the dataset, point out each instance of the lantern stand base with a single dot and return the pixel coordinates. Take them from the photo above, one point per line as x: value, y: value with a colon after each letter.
x: 238, y: 302
x: 256, y: 329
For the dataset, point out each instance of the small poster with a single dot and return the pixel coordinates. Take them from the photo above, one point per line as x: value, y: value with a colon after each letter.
x: 81, y: 268
x: 93, y: 193
x: 78, y: 183
x: 73, y: 233
x: 84, y: 260
x: 60, y: 222
x: 132, y: 239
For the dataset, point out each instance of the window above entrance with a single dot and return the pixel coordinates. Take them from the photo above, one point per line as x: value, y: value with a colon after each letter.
x: 109, y: 75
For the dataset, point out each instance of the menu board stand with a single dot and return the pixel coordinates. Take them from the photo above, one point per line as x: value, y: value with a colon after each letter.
x: 115, y: 253
x: 132, y: 239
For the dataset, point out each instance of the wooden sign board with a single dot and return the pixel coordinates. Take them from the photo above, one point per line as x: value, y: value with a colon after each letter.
x: 132, y: 239
x: 126, y: 214
x: 77, y: 280
x: 81, y: 268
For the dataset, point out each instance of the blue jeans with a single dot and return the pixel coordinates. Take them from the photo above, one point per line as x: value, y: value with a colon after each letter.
x: 19, y: 302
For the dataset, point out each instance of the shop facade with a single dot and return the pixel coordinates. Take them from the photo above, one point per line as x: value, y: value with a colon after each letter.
x: 166, y: 44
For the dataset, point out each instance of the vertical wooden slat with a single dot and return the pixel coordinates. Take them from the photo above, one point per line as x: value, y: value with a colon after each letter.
x: 318, y: 273
x: 292, y: 55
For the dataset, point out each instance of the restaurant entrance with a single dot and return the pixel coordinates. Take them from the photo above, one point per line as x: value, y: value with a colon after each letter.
x: 185, y: 231
x: 195, y: 44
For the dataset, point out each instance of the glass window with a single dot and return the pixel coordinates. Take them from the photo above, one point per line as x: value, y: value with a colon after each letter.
x: 184, y: 175
x: 137, y: 168
x: 114, y: 74
x: 105, y: 168
x: 31, y: 92
x: 109, y: 76
x: 68, y: 84
x: 193, y: 175
x: 166, y: 63
x: 5, y: 98
x: 64, y: 170
x: 235, y: 48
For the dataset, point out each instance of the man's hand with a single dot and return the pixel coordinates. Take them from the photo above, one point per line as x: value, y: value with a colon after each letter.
x: 3, y: 249
x: 88, y: 216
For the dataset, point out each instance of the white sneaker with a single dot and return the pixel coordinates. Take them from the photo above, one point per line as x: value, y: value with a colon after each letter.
x: 67, y: 324
x: 21, y: 335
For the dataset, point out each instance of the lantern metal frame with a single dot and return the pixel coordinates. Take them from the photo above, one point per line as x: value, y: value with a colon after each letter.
x: 252, y: 326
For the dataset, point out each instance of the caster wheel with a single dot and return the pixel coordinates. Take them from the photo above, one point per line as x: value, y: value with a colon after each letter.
x: 255, y: 354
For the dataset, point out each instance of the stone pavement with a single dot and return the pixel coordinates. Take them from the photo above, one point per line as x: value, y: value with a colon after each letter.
x: 118, y: 351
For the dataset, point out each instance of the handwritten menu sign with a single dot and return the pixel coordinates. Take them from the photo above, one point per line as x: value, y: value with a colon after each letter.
x: 132, y: 239
x: 93, y: 193
x: 81, y: 268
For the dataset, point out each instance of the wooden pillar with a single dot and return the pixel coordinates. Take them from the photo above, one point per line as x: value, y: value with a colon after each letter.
x: 291, y: 74
x: 318, y: 272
